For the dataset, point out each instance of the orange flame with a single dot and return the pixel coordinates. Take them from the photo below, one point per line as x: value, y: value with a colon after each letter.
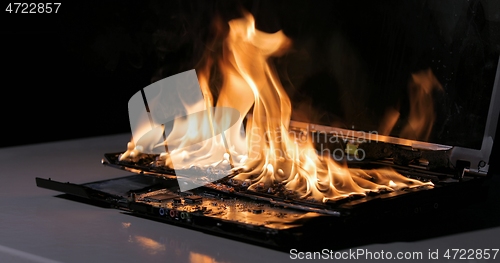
x: 270, y: 153
x: 421, y: 117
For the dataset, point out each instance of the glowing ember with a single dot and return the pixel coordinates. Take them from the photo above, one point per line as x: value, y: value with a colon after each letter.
x: 270, y: 153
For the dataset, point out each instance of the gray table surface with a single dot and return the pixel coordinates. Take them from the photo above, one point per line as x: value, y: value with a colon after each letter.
x: 36, y: 226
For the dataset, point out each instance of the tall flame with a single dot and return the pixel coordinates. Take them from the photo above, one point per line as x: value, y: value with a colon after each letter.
x: 270, y: 153
x: 422, y: 116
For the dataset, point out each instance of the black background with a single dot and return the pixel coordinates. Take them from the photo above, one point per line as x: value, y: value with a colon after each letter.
x: 70, y: 75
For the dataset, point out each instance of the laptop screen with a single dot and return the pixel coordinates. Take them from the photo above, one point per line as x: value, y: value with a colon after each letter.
x: 422, y: 70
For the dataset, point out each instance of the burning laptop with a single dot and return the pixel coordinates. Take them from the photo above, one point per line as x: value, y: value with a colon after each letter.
x: 235, y: 162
